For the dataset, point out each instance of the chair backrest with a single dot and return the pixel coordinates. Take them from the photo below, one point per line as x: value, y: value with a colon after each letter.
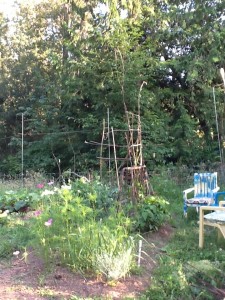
x: 204, y: 183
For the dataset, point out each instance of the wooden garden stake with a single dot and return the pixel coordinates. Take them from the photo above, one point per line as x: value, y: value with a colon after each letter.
x: 114, y: 147
x: 139, y: 252
x: 103, y: 134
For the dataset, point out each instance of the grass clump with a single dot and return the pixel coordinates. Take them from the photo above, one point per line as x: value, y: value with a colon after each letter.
x: 15, y: 235
x: 115, y: 263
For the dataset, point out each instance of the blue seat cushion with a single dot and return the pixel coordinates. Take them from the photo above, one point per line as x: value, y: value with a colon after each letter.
x: 200, y: 200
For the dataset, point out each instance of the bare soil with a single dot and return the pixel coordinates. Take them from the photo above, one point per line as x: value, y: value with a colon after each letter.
x: 22, y: 279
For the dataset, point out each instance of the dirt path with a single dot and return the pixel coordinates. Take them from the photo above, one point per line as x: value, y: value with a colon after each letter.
x: 30, y: 280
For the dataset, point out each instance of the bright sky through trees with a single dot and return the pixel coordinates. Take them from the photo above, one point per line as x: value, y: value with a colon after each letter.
x: 8, y: 7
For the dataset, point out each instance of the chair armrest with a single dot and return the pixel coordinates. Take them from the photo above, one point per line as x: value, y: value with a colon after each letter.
x: 187, y: 191
x: 217, y: 197
x: 216, y: 190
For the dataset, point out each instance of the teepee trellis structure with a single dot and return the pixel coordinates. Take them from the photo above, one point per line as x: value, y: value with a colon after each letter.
x: 130, y: 170
x: 134, y: 140
x: 135, y: 173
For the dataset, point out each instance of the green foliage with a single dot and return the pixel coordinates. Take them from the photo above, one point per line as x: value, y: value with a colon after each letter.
x: 96, y: 195
x: 14, y: 201
x: 15, y: 235
x: 11, y: 163
x: 169, y: 281
x: 19, y: 200
x: 75, y: 229
x: 4, y: 217
x: 186, y: 272
x: 150, y: 214
x: 166, y: 187
x: 64, y: 79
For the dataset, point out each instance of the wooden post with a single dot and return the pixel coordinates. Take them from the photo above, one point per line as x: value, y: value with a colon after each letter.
x: 103, y: 133
x: 22, y: 150
x: 109, y: 144
x: 114, y: 147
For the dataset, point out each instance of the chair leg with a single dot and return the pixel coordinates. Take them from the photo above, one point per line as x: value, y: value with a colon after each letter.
x: 201, y: 230
x: 185, y: 210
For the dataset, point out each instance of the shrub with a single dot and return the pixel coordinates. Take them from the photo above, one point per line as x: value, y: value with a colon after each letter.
x: 150, y: 214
